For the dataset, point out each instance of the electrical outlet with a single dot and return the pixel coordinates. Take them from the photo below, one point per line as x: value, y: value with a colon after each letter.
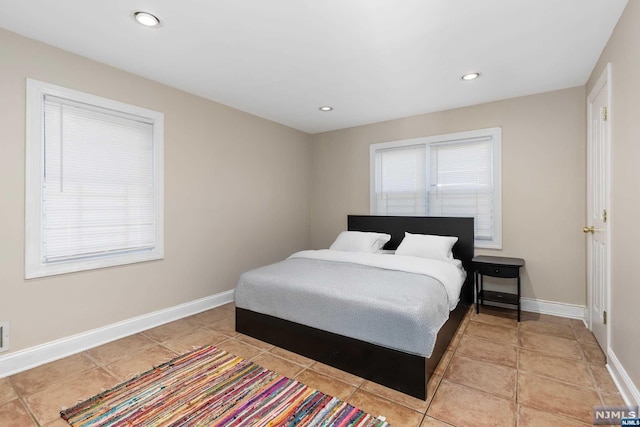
x: 4, y: 336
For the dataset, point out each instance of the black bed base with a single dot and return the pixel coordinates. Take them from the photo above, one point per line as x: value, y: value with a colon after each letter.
x: 400, y: 371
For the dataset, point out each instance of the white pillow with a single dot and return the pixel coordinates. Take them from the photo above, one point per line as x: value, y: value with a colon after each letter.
x: 427, y: 246
x: 359, y: 241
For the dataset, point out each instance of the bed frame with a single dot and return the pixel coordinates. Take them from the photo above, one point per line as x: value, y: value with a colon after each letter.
x: 401, y: 371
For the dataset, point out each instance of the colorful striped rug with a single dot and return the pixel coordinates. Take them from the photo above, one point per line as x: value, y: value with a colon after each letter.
x: 210, y: 387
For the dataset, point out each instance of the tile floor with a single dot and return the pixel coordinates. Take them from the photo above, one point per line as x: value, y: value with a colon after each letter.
x: 545, y: 371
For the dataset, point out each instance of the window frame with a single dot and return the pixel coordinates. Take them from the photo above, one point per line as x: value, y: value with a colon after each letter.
x: 494, y: 133
x: 34, y: 176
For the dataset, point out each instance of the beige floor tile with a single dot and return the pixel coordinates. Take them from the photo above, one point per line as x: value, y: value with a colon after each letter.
x: 110, y: 352
x: 325, y: 384
x: 196, y: 338
x: 254, y: 342
x: 207, y: 318
x: 498, y: 334
x: 497, y: 318
x: 432, y: 422
x: 291, y: 356
x: 277, y: 364
x: 529, y: 417
x: 465, y: 406
x: 172, y: 330
x: 561, y: 330
x: 229, y: 306
x: 444, y: 362
x: 396, y: 415
x: 577, y: 324
x: 14, y: 414
x: 570, y: 371
x: 585, y: 336
x: 227, y: 326
x: 593, y: 354
x: 527, y: 316
x: 57, y: 423
x: 6, y: 391
x: 46, y: 404
x: 484, y: 376
x: 480, y: 349
x: 395, y: 396
x: 556, y: 397
x: 603, y: 379
x: 561, y: 347
x: 432, y: 386
x: 34, y: 379
x: 338, y: 374
x: 137, y: 362
x: 613, y: 399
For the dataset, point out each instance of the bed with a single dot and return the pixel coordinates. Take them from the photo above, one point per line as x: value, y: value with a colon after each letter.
x: 403, y: 369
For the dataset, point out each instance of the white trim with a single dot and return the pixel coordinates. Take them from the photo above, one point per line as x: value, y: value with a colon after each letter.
x: 604, y: 79
x: 570, y: 311
x: 34, y: 264
x: 31, y: 357
x: 494, y: 133
x: 627, y: 388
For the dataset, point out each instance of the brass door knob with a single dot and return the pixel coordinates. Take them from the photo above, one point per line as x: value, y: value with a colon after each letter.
x: 589, y: 229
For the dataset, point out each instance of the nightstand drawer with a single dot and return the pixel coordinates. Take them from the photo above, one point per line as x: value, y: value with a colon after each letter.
x: 498, y: 270
x: 503, y: 297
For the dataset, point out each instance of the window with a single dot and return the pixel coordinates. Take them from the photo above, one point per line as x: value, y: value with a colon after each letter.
x: 94, y: 172
x: 446, y: 175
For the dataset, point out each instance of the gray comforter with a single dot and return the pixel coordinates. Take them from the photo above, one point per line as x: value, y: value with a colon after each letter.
x: 394, y: 309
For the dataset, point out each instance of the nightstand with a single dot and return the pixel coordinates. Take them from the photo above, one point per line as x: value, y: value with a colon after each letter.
x: 496, y: 266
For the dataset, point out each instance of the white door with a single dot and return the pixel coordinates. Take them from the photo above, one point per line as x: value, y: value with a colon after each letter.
x: 598, y: 216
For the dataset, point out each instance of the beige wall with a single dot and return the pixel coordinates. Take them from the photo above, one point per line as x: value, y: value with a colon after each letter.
x: 623, y: 52
x: 236, y: 196
x: 543, y: 179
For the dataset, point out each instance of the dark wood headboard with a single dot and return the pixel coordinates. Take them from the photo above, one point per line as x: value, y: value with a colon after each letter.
x: 441, y: 226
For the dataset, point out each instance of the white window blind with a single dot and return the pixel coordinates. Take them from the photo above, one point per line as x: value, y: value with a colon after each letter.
x: 98, y: 186
x: 456, y: 175
x: 95, y: 195
x: 400, y: 184
x: 462, y: 183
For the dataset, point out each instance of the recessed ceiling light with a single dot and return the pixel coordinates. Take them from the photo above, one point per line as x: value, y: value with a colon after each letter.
x: 146, y: 19
x: 470, y: 76
x: 325, y: 108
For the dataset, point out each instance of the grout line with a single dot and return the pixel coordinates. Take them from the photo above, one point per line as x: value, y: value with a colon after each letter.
x: 29, y: 411
x: 517, y: 391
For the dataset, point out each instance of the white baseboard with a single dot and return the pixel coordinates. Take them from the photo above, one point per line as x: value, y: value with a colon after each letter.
x: 627, y: 388
x: 571, y: 311
x: 548, y: 307
x: 22, y: 360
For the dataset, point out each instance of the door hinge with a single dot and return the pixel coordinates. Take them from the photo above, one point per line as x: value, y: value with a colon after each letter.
x: 605, y: 317
x: 604, y: 113
x: 604, y: 215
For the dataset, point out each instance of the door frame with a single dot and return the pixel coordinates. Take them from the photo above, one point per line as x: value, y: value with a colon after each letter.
x: 605, y: 78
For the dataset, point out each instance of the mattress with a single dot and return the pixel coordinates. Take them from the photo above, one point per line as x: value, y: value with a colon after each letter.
x: 389, y: 300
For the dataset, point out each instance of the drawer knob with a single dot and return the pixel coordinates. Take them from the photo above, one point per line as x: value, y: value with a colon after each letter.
x: 497, y: 271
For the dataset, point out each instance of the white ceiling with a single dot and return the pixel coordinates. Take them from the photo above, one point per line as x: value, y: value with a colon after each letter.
x: 372, y: 60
